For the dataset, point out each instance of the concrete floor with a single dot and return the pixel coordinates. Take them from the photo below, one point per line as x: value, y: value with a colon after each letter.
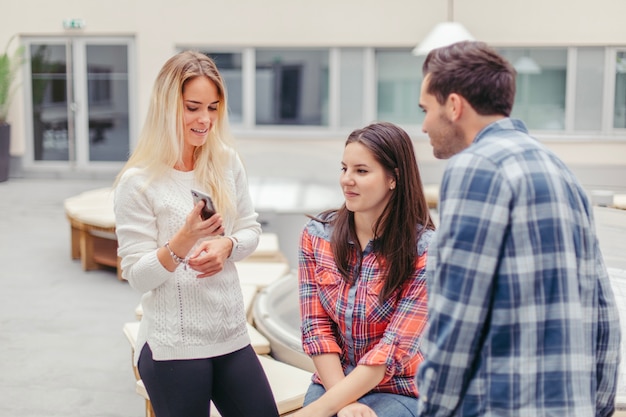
x: 62, y: 350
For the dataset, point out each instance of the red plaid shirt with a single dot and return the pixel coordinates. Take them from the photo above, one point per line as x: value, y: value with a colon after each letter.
x: 349, y: 319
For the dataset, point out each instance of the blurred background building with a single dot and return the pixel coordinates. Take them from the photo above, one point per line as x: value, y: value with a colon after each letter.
x: 302, y: 75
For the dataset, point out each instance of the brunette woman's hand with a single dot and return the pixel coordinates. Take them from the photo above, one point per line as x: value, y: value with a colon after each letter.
x: 209, y: 256
x: 356, y: 410
x: 351, y: 410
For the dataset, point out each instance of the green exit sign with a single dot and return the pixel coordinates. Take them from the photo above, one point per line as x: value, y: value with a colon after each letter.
x: 73, y: 23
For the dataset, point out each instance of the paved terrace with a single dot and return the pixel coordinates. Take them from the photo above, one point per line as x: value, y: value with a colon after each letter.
x: 62, y: 350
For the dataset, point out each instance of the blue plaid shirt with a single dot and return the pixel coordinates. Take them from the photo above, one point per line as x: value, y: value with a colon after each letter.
x: 522, y: 318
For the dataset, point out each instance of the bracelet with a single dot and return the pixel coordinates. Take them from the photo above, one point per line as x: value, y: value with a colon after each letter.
x: 175, y: 257
x: 235, y: 242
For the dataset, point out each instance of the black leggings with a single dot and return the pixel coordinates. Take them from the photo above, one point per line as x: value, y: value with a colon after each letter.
x: 235, y: 382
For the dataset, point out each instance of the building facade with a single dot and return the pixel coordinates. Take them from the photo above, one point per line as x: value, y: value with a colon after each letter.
x: 301, y: 76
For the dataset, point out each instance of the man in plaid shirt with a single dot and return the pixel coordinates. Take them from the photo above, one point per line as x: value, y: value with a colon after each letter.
x: 522, y: 318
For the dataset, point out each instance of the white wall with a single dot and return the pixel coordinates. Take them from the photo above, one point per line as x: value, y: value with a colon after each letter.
x: 159, y: 26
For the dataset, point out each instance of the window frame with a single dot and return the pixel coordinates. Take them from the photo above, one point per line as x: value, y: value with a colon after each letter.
x: 609, y: 91
x: 369, y: 107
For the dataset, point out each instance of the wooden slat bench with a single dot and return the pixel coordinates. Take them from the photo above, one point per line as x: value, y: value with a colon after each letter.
x: 619, y: 201
x: 432, y: 195
x: 92, y: 226
x: 93, y: 239
x: 288, y: 383
x: 261, y: 274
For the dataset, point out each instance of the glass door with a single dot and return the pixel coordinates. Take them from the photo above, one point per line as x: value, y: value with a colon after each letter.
x: 79, y: 96
x: 50, y: 104
x: 107, y: 98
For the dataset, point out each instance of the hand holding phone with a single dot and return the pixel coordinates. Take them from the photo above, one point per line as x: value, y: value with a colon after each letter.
x: 209, y: 209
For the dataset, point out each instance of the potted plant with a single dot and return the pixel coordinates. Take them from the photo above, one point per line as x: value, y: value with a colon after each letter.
x: 9, y: 64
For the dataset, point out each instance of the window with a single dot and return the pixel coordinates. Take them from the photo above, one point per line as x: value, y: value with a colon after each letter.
x: 619, y: 117
x: 291, y: 87
x: 398, y: 84
x: 79, y: 104
x: 49, y: 102
x: 541, y: 86
x: 559, y: 89
x: 352, y: 87
x: 107, y: 98
x: 229, y: 65
x: 99, y: 80
x: 48, y: 74
x: 589, y: 89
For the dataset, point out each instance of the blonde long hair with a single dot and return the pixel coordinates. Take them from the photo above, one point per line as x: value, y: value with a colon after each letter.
x: 161, y: 141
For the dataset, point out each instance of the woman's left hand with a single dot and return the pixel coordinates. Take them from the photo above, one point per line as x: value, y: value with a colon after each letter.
x: 355, y: 409
x: 209, y: 257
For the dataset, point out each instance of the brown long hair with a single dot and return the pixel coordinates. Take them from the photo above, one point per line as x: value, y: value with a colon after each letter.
x: 403, y: 220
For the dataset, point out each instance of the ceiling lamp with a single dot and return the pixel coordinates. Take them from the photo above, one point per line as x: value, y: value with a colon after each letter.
x: 443, y: 34
x: 526, y: 65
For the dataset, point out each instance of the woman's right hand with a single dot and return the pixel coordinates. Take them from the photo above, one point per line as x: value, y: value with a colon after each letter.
x: 185, y: 239
x: 356, y: 410
x: 196, y: 228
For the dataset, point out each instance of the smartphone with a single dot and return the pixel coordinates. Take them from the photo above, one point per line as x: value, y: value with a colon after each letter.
x: 209, y: 209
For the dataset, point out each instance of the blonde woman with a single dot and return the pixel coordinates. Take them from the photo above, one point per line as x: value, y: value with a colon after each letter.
x: 193, y: 346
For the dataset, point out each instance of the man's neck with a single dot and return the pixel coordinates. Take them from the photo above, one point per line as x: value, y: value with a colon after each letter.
x: 478, y: 123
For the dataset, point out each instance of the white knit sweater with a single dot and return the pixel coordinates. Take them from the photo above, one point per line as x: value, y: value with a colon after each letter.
x: 184, y: 317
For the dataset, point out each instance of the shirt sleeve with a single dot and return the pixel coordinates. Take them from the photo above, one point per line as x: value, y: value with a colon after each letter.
x: 246, y: 228
x: 318, y: 329
x: 400, y: 344
x: 135, y: 227
x: 608, y: 343
x: 475, y: 205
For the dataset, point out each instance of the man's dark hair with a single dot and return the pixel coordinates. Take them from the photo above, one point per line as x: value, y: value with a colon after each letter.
x: 476, y: 72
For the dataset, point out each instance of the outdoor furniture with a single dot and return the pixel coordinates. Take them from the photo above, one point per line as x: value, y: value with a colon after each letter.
x: 261, y: 274
x: 92, y: 224
x: 268, y: 250
x: 93, y: 239
x: 276, y: 315
x: 432, y: 195
x: 289, y: 384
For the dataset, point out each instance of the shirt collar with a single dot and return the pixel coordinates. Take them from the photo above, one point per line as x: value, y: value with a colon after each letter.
x: 503, y: 124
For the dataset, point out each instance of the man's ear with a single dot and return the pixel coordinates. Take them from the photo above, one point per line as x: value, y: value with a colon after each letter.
x: 454, y: 107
